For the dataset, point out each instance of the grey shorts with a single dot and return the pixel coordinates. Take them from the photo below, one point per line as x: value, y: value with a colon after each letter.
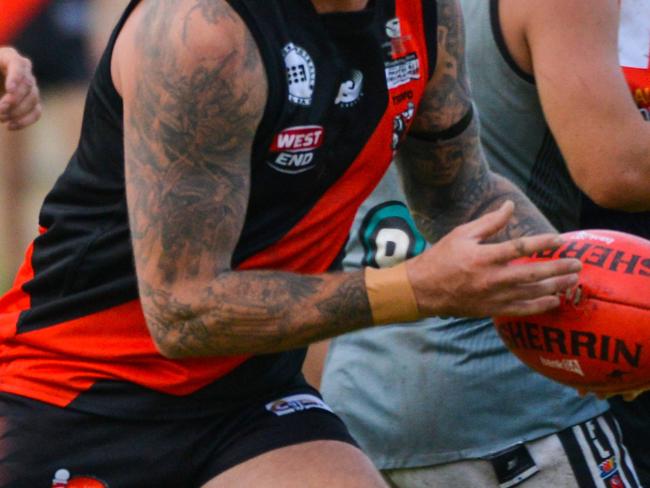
x: 587, y: 455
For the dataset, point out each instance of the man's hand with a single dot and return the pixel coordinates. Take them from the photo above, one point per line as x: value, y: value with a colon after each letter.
x: 461, y: 276
x: 20, y: 103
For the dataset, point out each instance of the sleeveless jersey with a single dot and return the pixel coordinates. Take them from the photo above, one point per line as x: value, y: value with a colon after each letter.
x: 342, y: 90
x: 443, y: 390
x: 438, y: 390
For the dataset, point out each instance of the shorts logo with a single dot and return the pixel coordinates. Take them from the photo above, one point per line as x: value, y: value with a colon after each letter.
x: 63, y: 479
x: 609, y: 471
x: 301, y: 74
x: 295, y: 148
x: 402, y: 71
x: 351, y: 90
x: 296, y: 403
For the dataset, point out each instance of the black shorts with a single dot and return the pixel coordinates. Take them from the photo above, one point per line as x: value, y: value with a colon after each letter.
x: 46, y: 446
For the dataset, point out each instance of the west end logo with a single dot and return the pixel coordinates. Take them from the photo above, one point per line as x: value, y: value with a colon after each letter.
x: 295, y: 148
x: 301, y: 74
x: 351, y: 90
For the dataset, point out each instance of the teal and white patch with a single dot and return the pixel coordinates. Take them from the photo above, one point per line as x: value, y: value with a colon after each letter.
x: 389, y: 235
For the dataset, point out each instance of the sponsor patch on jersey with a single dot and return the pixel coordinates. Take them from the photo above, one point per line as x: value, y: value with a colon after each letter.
x: 401, y: 123
x: 402, y: 71
x: 394, y: 28
x: 407, y: 95
x: 295, y: 148
x: 64, y: 479
x: 351, y: 90
x: 296, y: 403
x: 301, y: 74
x: 398, y: 42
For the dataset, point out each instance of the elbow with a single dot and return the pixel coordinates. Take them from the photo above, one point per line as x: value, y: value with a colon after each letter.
x: 167, y: 349
x: 614, y: 178
x: 626, y: 191
x: 166, y: 333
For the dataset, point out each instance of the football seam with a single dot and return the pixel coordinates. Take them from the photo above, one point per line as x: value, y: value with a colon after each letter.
x: 618, y: 302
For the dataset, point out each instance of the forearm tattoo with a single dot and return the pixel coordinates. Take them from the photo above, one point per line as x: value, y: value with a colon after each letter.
x: 447, y: 180
x: 189, y: 130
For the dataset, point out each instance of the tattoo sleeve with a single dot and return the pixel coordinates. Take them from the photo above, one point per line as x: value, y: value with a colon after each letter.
x: 192, y: 107
x: 445, y: 174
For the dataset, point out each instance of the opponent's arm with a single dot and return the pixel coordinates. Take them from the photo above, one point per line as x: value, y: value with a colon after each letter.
x: 448, y: 182
x: 194, y: 91
x: 586, y: 100
x: 446, y: 177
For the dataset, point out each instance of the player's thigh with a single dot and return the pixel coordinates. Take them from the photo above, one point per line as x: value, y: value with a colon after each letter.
x: 312, y: 464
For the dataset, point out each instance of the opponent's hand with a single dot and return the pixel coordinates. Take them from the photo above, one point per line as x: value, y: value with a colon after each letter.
x: 20, y: 103
x: 460, y: 276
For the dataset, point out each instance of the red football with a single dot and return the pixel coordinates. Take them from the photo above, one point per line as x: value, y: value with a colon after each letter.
x: 599, y: 338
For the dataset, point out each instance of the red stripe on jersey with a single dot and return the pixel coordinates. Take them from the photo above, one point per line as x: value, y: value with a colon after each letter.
x: 315, y: 242
x: 58, y: 363
x: 639, y: 81
x: 411, y: 11
x: 16, y: 300
x: 16, y: 14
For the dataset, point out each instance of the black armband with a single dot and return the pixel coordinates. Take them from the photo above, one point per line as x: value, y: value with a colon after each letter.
x: 450, y: 132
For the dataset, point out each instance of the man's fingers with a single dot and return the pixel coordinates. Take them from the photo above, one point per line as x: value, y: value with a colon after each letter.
x: 490, y: 223
x: 11, y: 100
x: 538, y: 271
x: 17, y: 72
x: 24, y: 87
x: 530, y: 307
x: 22, y: 108
x: 7, y: 57
x: 27, y: 120
x: 538, y: 289
x: 504, y: 252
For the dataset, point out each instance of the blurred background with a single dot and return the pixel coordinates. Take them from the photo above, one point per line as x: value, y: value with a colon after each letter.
x: 64, y: 39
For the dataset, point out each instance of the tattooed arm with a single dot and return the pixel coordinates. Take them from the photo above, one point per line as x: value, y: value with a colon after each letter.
x: 194, y: 90
x: 448, y: 183
x: 192, y: 107
x: 445, y: 173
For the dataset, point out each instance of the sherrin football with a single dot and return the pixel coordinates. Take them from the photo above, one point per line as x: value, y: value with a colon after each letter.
x: 598, y: 340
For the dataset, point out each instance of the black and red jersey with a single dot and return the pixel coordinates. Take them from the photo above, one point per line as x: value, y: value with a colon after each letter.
x: 343, y: 90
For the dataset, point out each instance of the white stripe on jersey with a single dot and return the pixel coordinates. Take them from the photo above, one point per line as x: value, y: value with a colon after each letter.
x: 634, y: 34
x: 589, y: 456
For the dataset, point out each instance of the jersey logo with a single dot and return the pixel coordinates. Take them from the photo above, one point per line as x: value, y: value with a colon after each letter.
x: 350, y: 91
x: 296, y: 403
x: 63, y: 479
x: 295, y: 148
x: 388, y: 235
x: 301, y: 74
x: 397, y: 45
